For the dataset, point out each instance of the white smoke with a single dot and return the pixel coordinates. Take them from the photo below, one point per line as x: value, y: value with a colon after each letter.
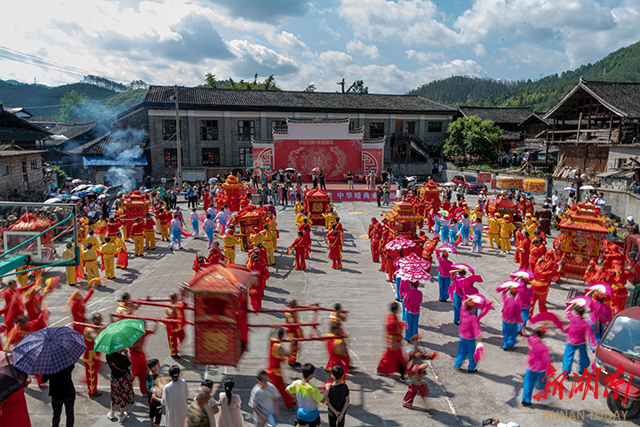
x: 125, y: 173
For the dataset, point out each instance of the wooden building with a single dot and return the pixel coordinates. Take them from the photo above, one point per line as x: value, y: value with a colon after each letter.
x: 593, y: 117
x: 510, y: 120
x: 21, y: 173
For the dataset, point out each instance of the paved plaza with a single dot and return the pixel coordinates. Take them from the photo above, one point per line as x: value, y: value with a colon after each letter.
x: 455, y: 397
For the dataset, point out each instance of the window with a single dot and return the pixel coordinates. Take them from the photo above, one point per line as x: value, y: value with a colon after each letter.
x: 279, y: 125
x: 435, y: 127
x: 170, y: 158
x: 246, y: 130
x: 211, y: 156
x: 34, y: 164
x: 169, y: 130
x: 411, y: 127
x: 352, y: 125
x: 4, y: 170
x: 208, y: 130
x: 246, y: 157
x: 376, y: 130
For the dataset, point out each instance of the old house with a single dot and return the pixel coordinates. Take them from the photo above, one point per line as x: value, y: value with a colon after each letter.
x: 592, y: 121
x: 21, y: 173
x: 18, y: 131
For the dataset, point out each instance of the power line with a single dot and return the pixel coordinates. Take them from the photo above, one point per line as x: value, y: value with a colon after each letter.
x: 25, y: 58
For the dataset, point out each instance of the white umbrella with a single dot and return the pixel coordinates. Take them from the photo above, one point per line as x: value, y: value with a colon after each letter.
x: 587, y: 187
x: 213, y: 181
x: 103, y: 196
x: 449, y: 184
x: 74, y: 198
x: 54, y: 200
x: 80, y: 188
x: 100, y: 186
x: 569, y: 189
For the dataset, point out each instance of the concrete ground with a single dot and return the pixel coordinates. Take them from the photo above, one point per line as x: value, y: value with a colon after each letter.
x: 455, y: 397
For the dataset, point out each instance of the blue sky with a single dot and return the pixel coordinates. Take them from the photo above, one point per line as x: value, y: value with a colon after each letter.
x: 394, y: 46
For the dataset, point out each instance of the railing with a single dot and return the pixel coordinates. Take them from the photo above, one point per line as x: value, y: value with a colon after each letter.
x: 413, y: 141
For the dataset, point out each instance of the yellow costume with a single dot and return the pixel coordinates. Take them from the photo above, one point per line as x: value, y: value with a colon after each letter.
x: 108, y: 254
x: 506, y: 228
x: 91, y: 238
x: 268, y: 245
x: 100, y: 227
x: 273, y: 226
x: 257, y: 238
x: 91, y: 263
x: 494, y: 230
x: 230, y: 242
x: 68, y: 254
x: 329, y: 218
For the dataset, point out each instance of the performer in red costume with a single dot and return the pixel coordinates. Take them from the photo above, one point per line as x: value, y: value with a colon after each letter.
x: 175, y: 330
x: 298, y: 246
x: 546, y: 270
x: 277, y: 353
x: 293, y: 331
x: 77, y: 304
x: 257, y: 291
x: 335, y: 249
x: 90, y: 358
x: 393, y: 359
x: 139, y: 367
x: 337, y: 349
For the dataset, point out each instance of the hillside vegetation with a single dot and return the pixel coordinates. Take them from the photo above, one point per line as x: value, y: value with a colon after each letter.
x: 540, y: 95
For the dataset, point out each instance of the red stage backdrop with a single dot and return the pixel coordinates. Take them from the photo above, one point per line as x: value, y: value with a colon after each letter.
x: 327, y: 144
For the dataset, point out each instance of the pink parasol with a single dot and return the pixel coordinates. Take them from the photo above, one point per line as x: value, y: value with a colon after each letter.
x: 601, y: 288
x: 523, y: 274
x: 413, y: 260
x: 448, y: 248
x: 508, y: 284
x: 413, y: 274
x: 400, y: 243
x: 584, y: 302
x: 546, y: 319
x: 465, y: 267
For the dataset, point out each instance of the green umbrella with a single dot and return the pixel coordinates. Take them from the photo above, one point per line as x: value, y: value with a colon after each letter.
x: 119, y: 335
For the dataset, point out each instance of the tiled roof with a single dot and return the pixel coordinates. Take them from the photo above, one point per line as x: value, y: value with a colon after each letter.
x: 10, y: 146
x: 12, y: 153
x: 498, y: 115
x: 229, y: 99
x: 21, y: 135
x: 622, y: 98
x: 107, y: 146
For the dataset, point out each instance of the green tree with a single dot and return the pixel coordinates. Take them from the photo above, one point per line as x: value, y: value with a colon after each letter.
x: 74, y: 106
x: 210, y: 81
x: 472, y: 139
x: 310, y: 88
x: 62, y: 176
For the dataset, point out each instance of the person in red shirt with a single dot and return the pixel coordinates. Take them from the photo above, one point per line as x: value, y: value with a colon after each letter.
x: 164, y: 218
x: 376, y: 235
x: 215, y: 254
x: 199, y: 263
x: 90, y: 358
x: 306, y: 237
x: 335, y: 249
x: 277, y: 353
x: 290, y: 317
x: 23, y: 327
x: 618, y: 283
x: 545, y: 271
x: 137, y: 232
x: 257, y: 291
x: 175, y: 330
x: 149, y: 233
x: 77, y: 305
x: 139, y: 360
x: 113, y: 227
x: 537, y: 251
x: 13, y: 307
x: 298, y: 246
x: 523, y: 250
x: 393, y: 359
x: 337, y: 349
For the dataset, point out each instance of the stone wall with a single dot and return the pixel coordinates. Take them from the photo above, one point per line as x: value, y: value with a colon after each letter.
x: 22, y: 172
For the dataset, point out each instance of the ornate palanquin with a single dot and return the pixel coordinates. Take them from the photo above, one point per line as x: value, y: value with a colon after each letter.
x: 317, y: 203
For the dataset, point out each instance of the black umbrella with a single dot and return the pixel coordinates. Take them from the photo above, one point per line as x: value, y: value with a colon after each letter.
x: 290, y: 170
x: 11, y: 379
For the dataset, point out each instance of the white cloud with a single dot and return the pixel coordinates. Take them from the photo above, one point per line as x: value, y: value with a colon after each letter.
x: 413, y: 22
x: 479, y: 50
x: 285, y: 40
x: 361, y: 49
x: 255, y: 58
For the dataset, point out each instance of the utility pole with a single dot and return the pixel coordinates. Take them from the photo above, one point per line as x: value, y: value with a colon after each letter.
x: 178, y: 140
x: 342, y: 83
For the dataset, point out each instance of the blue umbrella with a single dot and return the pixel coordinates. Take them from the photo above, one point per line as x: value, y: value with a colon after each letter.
x: 81, y: 194
x: 48, y: 351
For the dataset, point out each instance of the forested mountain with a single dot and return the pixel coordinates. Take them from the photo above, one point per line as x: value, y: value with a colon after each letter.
x: 540, y: 95
x: 461, y: 89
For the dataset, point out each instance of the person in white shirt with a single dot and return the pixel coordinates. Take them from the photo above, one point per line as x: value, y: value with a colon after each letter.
x: 264, y: 401
x: 601, y: 201
x: 555, y: 200
x: 174, y: 399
